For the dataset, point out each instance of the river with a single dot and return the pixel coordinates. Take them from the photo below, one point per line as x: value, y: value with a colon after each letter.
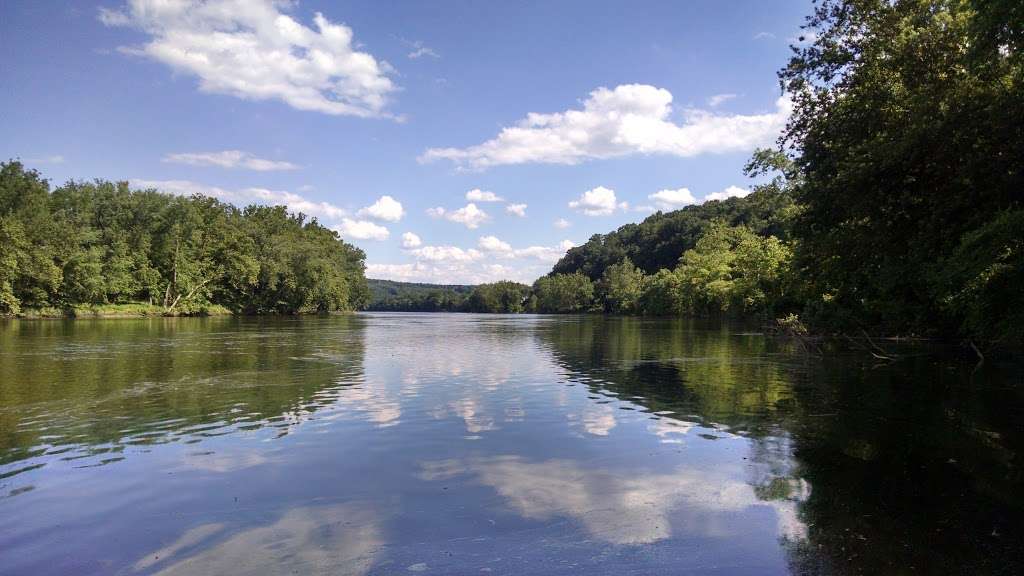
x: 488, y: 444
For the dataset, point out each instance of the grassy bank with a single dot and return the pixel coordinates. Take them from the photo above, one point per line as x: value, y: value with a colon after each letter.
x: 128, y: 310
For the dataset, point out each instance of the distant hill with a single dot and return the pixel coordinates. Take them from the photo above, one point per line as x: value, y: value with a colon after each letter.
x: 660, y: 239
x: 389, y: 295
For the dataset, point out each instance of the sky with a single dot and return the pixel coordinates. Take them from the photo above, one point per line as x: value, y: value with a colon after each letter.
x: 453, y: 141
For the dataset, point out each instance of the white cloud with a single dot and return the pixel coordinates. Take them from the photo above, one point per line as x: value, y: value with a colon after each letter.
x: 719, y: 99
x: 455, y: 272
x: 549, y: 254
x: 253, y: 50
x: 599, y: 201
x: 623, y: 507
x: 516, y: 209
x: 673, y: 199
x: 562, y: 223
x: 113, y: 18
x: 57, y: 159
x: 410, y: 240
x: 419, y: 50
x: 446, y: 253
x: 764, y: 36
x: 629, y: 119
x: 493, y: 259
x: 229, y: 159
x: 730, y: 192
x: 292, y: 201
x: 385, y: 208
x: 361, y: 230
x: 478, y: 195
x: 469, y: 215
x: 502, y: 249
x: 493, y: 244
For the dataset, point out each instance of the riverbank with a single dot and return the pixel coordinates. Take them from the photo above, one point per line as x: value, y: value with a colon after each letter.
x: 138, y: 310
x: 129, y: 310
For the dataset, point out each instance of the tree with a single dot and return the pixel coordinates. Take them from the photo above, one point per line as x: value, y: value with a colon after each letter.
x: 621, y: 287
x: 733, y: 270
x: 908, y: 136
x: 658, y: 241
x: 30, y: 277
x: 661, y: 294
x: 93, y: 243
x: 564, y: 293
x: 504, y: 297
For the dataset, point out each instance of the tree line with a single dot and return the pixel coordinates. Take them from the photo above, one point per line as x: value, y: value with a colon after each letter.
x: 90, y: 244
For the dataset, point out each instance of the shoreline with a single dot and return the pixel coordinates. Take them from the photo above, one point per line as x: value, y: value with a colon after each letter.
x: 140, y: 311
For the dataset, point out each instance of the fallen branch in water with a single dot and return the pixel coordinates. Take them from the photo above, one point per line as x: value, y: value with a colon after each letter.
x: 792, y: 328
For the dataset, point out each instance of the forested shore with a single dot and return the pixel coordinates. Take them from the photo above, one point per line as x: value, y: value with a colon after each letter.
x: 100, y: 248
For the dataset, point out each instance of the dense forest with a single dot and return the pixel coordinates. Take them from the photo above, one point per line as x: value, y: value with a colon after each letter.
x: 498, y: 297
x: 100, y: 244
x: 392, y: 296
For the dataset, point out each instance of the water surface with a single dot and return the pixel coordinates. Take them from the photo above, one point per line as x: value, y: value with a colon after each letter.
x: 466, y: 444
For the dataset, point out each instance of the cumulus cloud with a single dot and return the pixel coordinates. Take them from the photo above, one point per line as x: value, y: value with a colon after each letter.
x: 562, y: 223
x: 493, y: 244
x: 764, y: 36
x: 549, y: 254
x: 516, y: 210
x: 229, y: 159
x: 253, y: 50
x: 385, y: 208
x: 478, y: 195
x: 719, y: 99
x: 493, y: 259
x: 294, y: 202
x: 730, y: 192
x: 501, y: 249
x: 599, y: 201
x: 361, y: 230
x: 629, y: 119
x: 672, y: 199
x: 453, y: 272
x: 469, y: 215
x: 410, y: 240
x: 446, y: 253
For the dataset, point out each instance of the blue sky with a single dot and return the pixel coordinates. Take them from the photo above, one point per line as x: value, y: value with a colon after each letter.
x: 591, y: 114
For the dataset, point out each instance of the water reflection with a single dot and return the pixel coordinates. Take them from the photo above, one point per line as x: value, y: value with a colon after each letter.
x: 389, y: 443
x: 89, y: 391
x: 621, y: 507
x: 339, y: 539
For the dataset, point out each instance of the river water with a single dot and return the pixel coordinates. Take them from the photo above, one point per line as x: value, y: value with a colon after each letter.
x: 486, y: 444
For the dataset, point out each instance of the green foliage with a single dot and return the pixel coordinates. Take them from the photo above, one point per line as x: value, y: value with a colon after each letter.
x: 504, y: 297
x: 981, y: 281
x: 658, y: 241
x: 95, y: 244
x: 563, y: 293
x: 620, y: 287
x: 731, y: 269
x: 388, y: 295
x: 908, y: 136
x: 661, y: 292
